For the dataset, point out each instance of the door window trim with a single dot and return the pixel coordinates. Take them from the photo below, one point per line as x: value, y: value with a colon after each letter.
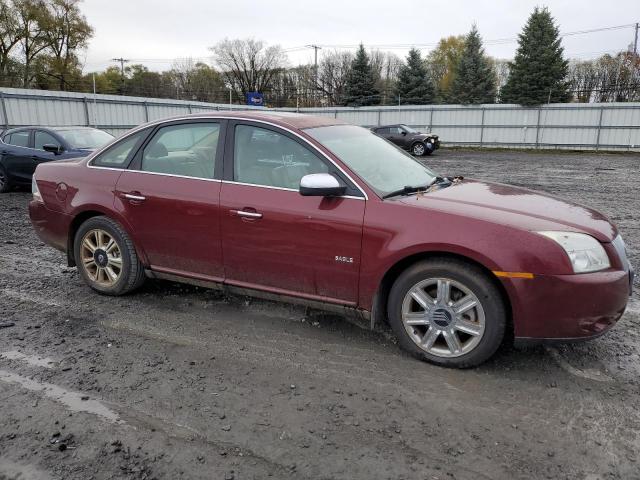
x: 228, y: 120
x: 135, y: 164
x: 228, y: 173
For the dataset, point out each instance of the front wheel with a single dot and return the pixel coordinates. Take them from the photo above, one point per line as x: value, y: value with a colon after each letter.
x: 106, y: 257
x: 447, y: 312
x: 418, y: 149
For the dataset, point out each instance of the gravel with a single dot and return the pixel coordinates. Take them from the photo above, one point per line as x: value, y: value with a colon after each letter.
x: 178, y: 382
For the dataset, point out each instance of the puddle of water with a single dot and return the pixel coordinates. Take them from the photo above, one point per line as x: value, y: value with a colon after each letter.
x: 72, y: 400
x: 34, y: 360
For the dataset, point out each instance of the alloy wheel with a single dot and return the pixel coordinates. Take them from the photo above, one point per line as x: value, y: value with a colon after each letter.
x: 418, y: 149
x: 101, y: 257
x: 443, y: 317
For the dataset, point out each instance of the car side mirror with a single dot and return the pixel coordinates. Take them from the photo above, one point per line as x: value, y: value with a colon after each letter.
x: 321, y: 185
x: 404, y: 133
x: 57, y: 149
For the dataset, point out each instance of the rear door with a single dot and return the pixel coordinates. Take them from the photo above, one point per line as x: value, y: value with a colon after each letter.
x: 272, y: 237
x: 170, y: 197
x: 17, y: 156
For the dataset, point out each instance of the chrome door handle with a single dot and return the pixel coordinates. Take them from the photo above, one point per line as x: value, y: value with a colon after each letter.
x: 137, y: 198
x: 242, y: 213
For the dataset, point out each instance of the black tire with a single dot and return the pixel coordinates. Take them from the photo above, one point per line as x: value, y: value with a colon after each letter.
x: 5, y: 184
x: 419, y: 149
x: 473, y: 278
x: 132, y: 273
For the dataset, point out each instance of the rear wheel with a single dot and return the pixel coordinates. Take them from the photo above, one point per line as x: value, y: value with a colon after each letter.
x: 106, y: 257
x: 5, y: 185
x: 447, y: 312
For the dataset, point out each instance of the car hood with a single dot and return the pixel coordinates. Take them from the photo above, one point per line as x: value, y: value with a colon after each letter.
x: 516, y: 207
x: 426, y: 135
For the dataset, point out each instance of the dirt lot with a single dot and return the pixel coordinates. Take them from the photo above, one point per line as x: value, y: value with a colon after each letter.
x: 179, y: 382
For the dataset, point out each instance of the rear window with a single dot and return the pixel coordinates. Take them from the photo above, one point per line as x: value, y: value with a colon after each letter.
x: 19, y: 139
x: 119, y: 154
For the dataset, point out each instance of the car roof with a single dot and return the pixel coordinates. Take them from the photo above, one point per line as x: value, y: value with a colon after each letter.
x: 284, y: 119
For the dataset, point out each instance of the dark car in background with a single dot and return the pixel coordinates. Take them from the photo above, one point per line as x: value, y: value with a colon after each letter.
x: 23, y: 149
x: 417, y: 143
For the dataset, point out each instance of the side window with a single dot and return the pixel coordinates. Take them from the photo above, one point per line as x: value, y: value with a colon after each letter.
x: 186, y: 149
x: 19, y: 139
x: 117, y: 155
x: 264, y: 157
x: 43, y: 138
x: 395, y: 130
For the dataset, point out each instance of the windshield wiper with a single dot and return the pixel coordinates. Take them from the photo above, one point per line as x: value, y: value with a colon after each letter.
x: 409, y: 189
x: 406, y: 190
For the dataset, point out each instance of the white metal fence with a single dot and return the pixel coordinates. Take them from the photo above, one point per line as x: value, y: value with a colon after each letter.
x: 606, y: 126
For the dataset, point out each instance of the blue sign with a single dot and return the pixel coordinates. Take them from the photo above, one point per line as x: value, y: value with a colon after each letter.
x: 255, y: 98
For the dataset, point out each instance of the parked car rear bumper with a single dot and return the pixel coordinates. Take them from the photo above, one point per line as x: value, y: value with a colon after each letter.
x: 51, y: 227
x: 568, y: 307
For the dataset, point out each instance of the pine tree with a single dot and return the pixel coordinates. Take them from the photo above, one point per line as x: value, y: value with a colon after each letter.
x: 360, y: 89
x: 475, y: 80
x: 539, y: 70
x: 414, y: 86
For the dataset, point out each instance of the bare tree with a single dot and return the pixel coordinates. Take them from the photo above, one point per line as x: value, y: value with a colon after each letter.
x: 248, y: 65
x: 10, y: 34
x: 66, y: 31
x: 33, y: 17
x: 332, y: 74
x: 386, y: 66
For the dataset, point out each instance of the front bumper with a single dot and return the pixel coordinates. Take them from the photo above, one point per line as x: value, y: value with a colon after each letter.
x: 567, y: 307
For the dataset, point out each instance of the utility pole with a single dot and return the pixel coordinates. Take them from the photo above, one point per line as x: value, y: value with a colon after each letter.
x: 315, y: 71
x: 635, y: 41
x: 122, y: 61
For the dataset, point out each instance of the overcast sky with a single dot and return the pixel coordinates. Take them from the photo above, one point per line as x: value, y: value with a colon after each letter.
x: 154, y: 32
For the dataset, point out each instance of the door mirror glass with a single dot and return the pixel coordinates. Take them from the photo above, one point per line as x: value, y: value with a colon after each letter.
x: 49, y: 147
x: 321, y: 185
x: 404, y: 133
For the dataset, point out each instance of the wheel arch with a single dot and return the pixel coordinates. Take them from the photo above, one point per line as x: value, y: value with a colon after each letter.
x: 379, y: 313
x: 84, y: 215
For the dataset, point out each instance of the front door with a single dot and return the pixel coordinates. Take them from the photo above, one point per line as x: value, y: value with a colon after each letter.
x: 277, y: 240
x: 170, y: 196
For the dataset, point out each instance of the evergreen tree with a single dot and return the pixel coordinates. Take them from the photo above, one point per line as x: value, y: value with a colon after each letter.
x: 539, y: 70
x: 475, y: 80
x: 360, y: 89
x: 414, y: 86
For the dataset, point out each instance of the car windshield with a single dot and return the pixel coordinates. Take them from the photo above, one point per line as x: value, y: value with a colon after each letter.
x: 382, y: 165
x: 408, y: 129
x: 86, y: 138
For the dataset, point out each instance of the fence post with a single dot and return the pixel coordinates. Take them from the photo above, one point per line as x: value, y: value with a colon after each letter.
x: 482, y: 128
x: 146, y: 111
x: 538, y: 128
x: 4, y: 111
x: 190, y: 108
x: 379, y: 116
x: 335, y: 114
x: 87, y: 119
x: 599, y: 128
x: 431, y: 120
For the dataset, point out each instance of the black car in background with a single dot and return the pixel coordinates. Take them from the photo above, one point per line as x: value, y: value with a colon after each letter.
x: 22, y: 149
x: 406, y: 137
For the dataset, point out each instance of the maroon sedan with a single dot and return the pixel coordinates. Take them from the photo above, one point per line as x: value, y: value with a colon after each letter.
x: 331, y: 215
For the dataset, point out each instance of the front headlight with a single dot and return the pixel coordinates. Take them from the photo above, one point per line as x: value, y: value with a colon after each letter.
x: 585, y: 252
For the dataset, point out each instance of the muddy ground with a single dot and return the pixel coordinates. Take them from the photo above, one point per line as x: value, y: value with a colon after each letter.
x: 179, y: 382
